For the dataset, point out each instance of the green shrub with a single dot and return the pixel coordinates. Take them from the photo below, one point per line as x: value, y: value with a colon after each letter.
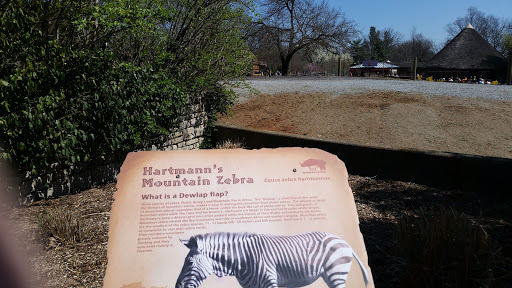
x: 443, y: 248
x: 84, y: 82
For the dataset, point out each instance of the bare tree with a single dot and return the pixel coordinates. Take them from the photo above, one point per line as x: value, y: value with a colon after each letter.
x: 289, y: 26
x: 418, y: 46
x: 490, y: 27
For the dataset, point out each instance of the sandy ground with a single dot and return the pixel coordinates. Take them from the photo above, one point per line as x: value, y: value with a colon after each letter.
x: 385, y: 119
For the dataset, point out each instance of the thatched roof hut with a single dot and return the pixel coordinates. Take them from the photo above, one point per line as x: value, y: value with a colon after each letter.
x: 466, y: 55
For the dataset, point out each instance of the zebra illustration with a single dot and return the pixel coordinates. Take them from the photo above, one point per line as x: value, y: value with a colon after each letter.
x: 260, y: 261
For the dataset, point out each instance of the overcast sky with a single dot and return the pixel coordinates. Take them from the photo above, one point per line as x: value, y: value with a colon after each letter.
x: 429, y: 17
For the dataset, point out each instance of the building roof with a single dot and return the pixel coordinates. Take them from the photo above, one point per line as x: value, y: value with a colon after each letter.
x: 376, y: 65
x: 408, y: 64
x: 468, y: 51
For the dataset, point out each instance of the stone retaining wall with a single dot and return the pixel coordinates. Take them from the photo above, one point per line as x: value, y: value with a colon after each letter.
x: 67, y: 180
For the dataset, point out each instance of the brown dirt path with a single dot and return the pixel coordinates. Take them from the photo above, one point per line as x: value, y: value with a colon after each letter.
x: 386, y: 119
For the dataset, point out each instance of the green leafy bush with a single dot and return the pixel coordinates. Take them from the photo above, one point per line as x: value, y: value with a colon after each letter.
x: 83, y: 82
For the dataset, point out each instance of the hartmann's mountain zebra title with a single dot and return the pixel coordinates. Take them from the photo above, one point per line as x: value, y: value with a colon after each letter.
x: 259, y: 260
x: 171, y: 177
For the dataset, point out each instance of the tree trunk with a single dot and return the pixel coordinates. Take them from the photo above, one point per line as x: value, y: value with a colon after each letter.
x: 285, y: 65
x: 414, y: 67
x: 285, y: 62
x: 340, y: 70
x: 509, y: 72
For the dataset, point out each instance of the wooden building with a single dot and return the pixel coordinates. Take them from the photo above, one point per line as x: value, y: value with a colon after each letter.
x: 259, y: 68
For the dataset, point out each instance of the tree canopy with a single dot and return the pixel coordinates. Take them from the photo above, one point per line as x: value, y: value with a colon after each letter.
x: 84, y: 81
x: 381, y: 43
x: 387, y: 44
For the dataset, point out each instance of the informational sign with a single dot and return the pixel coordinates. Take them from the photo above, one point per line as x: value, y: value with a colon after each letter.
x: 235, y: 218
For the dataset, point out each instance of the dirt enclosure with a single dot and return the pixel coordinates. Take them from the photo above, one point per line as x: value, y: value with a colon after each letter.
x: 396, y: 120
x: 386, y: 119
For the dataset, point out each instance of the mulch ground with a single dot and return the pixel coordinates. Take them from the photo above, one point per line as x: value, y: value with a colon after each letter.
x: 379, y: 204
x: 58, y: 264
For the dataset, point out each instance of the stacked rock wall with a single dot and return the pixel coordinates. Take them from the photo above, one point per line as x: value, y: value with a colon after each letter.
x: 61, y: 180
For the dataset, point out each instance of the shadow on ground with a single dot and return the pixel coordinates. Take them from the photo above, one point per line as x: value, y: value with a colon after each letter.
x: 380, y: 203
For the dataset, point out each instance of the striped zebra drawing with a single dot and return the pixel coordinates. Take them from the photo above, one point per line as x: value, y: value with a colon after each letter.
x: 260, y: 261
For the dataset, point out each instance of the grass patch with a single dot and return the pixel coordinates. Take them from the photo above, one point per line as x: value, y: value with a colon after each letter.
x: 62, y: 224
x: 229, y: 144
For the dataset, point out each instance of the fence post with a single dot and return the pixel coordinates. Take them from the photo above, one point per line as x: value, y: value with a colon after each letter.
x: 339, y: 66
x: 509, y: 72
x: 414, y: 68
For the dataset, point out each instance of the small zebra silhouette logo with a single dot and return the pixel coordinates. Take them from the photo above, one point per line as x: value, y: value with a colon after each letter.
x: 314, y: 164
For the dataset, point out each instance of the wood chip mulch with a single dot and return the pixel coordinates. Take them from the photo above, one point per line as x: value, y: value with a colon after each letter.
x: 379, y: 204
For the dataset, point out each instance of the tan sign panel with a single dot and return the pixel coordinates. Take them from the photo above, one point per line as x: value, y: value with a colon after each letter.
x: 235, y: 218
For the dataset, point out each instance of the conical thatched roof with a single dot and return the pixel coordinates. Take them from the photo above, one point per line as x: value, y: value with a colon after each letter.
x: 468, y: 51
